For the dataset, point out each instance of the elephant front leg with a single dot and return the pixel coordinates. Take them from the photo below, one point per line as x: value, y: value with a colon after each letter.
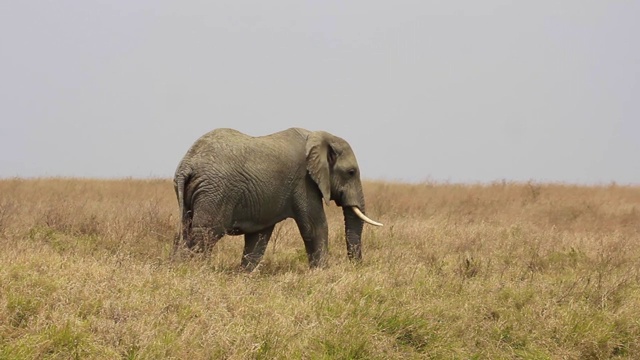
x: 255, y: 245
x: 316, y: 240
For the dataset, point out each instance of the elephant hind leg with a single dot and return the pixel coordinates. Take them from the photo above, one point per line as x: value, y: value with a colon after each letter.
x: 255, y: 245
x: 202, y: 239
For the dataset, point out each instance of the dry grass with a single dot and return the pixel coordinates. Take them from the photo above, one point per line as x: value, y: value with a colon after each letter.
x: 497, y: 271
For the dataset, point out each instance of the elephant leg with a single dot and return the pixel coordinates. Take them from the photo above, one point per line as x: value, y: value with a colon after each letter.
x: 255, y: 245
x: 316, y: 239
x: 202, y: 239
x: 205, y: 230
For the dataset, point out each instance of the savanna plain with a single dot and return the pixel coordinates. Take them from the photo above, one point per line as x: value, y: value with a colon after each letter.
x: 493, y: 271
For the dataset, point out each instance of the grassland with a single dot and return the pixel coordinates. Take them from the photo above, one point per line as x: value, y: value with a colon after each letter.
x: 499, y: 271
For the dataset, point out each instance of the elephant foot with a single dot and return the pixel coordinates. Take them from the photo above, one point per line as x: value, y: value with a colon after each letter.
x: 317, y: 261
x: 249, y: 263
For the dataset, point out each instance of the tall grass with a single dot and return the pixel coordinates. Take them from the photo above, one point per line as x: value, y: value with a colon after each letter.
x: 532, y: 271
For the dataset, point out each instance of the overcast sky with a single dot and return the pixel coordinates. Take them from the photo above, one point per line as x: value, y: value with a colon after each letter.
x: 464, y: 91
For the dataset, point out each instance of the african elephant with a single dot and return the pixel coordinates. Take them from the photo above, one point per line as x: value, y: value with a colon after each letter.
x: 232, y: 183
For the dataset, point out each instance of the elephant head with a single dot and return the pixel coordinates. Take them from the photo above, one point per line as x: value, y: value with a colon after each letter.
x: 333, y: 166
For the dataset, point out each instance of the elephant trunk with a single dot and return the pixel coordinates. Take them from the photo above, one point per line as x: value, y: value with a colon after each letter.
x: 354, y: 220
x: 353, y: 232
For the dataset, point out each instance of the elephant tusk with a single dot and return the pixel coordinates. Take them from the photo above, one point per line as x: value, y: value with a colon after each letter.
x: 364, y: 217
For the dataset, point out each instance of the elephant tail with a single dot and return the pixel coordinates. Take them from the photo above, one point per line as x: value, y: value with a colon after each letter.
x: 180, y: 183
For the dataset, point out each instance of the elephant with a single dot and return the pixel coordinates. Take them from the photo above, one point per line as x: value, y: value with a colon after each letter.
x: 230, y: 183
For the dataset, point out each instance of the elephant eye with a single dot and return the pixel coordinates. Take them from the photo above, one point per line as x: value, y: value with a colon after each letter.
x: 351, y: 172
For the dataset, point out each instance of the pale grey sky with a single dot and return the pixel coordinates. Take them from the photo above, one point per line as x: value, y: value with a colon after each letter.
x: 466, y: 91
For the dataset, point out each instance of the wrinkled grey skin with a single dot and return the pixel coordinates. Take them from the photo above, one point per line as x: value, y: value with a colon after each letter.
x: 232, y: 183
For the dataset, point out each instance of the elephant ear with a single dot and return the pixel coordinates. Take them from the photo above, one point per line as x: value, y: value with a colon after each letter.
x: 320, y: 157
